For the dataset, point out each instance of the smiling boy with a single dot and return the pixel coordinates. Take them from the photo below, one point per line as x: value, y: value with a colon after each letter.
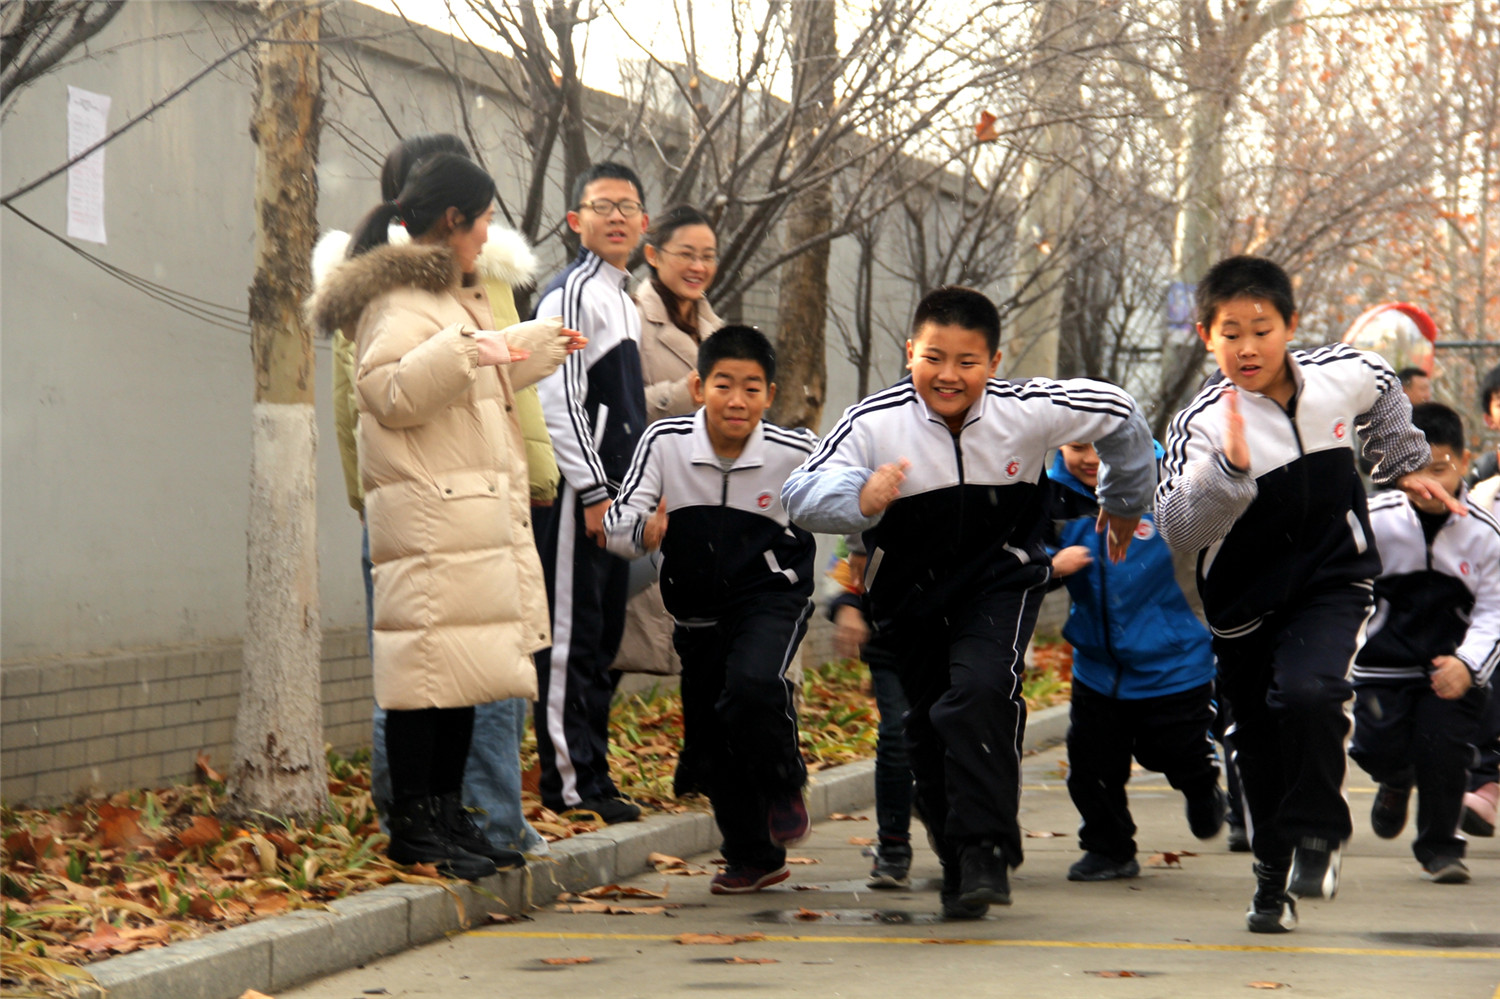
x: 595, y: 406
x: 736, y: 576
x: 940, y: 475
x: 1259, y: 479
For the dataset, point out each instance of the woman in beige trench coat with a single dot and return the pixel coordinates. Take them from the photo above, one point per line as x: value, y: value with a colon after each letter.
x: 459, y: 600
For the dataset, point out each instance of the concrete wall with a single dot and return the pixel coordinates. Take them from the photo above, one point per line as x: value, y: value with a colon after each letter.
x: 126, y: 424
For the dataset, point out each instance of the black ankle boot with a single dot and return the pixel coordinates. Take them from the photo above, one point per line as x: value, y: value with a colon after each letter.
x: 418, y: 837
x: 984, y: 874
x: 462, y: 829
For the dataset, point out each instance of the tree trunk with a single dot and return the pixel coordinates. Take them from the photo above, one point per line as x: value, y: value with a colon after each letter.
x: 1045, y: 225
x: 279, y: 766
x: 802, y: 311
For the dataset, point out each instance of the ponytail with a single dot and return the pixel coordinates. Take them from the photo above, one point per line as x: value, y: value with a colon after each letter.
x: 436, y: 184
x: 373, y: 229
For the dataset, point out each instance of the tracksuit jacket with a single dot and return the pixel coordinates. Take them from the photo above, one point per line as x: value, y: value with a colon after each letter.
x: 595, y: 403
x: 1432, y: 599
x: 969, y: 514
x: 1296, y: 521
x: 729, y: 539
x: 1132, y: 631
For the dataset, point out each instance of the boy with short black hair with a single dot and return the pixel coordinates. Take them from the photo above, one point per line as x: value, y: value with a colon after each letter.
x: 595, y: 406
x: 940, y: 474
x: 737, y: 576
x: 1259, y: 479
x: 1419, y: 681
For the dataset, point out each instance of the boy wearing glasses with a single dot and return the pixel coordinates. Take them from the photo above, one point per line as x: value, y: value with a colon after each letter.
x: 595, y: 407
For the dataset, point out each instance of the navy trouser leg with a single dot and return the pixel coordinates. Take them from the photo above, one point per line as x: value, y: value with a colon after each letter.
x: 586, y: 590
x: 1288, y: 683
x: 1099, y: 741
x: 1487, y: 770
x: 893, y: 780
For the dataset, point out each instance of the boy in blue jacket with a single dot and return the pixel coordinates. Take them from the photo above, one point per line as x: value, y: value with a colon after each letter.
x: 1143, y: 671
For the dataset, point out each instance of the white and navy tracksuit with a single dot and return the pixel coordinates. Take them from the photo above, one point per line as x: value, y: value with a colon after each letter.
x: 595, y: 408
x: 736, y: 576
x: 1437, y: 595
x: 1285, y: 564
x: 956, y: 568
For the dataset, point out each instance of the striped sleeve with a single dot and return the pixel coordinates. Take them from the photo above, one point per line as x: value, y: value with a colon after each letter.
x: 625, y: 522
x: 1480, y: 649
x: 1200, y: 495
x: 822, y: 494
x: 1388, y: 439
x: 564, y: 392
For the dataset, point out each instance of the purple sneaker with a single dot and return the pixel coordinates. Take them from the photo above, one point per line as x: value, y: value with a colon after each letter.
x: 740, y: 880
x: 787, y: 820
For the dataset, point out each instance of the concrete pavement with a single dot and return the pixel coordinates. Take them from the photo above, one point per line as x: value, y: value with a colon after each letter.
x: 1174, y: 931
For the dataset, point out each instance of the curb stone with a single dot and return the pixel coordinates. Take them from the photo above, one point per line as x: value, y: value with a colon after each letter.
x: 281, y: 951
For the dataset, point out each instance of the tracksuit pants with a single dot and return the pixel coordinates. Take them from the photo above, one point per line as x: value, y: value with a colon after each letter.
x: 967, y: 718
x: 1287, y: 683
x: 1405, y: 734
x: 1487, y: 769
x: 1170, y: 734
x: 735, y: 687
x: 586, y: 590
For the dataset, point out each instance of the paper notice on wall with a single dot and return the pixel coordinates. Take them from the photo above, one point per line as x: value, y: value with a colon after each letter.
x: 88, y: 122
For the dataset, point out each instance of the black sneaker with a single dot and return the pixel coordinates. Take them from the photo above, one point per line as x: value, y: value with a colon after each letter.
x: 1097, y: 867
x: 1388, y: 814
x: 984, y: 876
x: 1315, y: 868
x: 954, y: 907
x: 892, y: 867
x: 1238, y: 839
x: 1446, y: 871
x: 459, y: 823
x: 418, y: 837
x: 1205, y: 812
x: 610, y: 810
x: 1272, y: 910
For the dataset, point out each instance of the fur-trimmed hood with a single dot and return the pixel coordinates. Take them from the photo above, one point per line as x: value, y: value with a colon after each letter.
x: 347, y: 288
x: 506, y: 257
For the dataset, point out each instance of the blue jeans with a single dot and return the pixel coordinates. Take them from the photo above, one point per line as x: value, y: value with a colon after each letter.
x: 893, y: 780
x: 492, y: 775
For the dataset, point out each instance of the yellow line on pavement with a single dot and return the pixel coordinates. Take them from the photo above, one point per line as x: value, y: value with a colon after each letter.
x: 1480, y: 955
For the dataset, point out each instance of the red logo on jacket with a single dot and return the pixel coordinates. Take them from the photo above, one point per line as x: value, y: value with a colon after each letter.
x: 1340, y: 430
x: 763, y: 501
x: 1463, y: 568
x: 1013, y: 468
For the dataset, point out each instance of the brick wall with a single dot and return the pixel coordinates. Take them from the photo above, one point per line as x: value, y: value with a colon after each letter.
x: 140, y: 719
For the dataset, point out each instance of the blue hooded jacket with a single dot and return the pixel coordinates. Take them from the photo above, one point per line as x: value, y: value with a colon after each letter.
x: 1132, y: 631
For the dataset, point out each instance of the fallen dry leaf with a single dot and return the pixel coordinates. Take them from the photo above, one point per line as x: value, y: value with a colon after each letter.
x: 567, y: 960
x: 1116, y: 974
x: 861, y: 840
x: 1042, y: 834
x: 718, y: 938
x: 842, y: 817
x: 621, y: 891
x: 501, y: 918
x: 751, y: 960
x: 605, y: 909
x: 251, y: 993
x: 1268, y: 985
x: 807, y: 915
x: 209, y: 773
x: 1164, y: 859
x: 803, y: 860
x: 802, y: 887
x: 204, y: 830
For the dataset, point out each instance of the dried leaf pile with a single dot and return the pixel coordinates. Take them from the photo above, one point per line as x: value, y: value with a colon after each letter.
x: 143, y: 868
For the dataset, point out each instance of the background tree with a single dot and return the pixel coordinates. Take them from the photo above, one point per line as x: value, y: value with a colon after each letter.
x: 35, y: 35
x: 279, y: 767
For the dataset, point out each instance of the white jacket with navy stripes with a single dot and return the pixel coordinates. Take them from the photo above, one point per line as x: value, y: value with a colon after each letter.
x: 1297, y: 520
x: 1432, y: 599
x: 595, y: 404
x: 969, y: 516
x: 728, y: 538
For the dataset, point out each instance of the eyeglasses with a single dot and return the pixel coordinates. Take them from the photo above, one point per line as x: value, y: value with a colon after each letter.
x: 604, y: 207
x: 688, y: 257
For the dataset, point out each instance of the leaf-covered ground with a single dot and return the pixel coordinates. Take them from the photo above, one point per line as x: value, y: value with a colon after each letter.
x: 145, y: 867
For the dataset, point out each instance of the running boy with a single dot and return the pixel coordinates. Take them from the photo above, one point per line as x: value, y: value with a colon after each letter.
x: 595, y: 406
x: 1484, y: 791
x: 1259, y: 479
x: 1433, y: 643
x: 940, y: 473
x: 1143, y: 675
x: 737, y: 576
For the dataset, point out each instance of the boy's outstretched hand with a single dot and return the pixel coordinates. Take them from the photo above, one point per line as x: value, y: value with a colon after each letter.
x: 656, y: 527
x: 1118, y: 530
x: 1420, y: 485
x: 1236, y: 451
x: 1450, y: 677
x: 882, y: 487
x: 1070, y: 560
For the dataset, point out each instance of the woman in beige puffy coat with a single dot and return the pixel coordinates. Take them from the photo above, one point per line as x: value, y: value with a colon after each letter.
x: 459, y: 599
